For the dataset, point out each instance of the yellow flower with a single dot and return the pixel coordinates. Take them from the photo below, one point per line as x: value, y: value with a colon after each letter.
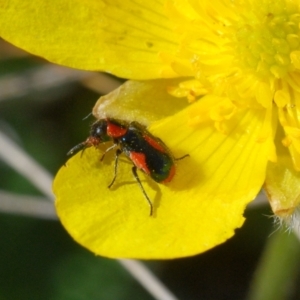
x: 237, y: 64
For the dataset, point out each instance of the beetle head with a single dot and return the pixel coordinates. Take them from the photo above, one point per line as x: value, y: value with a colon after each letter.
x: 98, y: 135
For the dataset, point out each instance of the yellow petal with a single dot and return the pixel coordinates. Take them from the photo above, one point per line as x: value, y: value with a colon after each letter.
x: 121, y: 37
x: 142, y: 101
x: 198, y: 209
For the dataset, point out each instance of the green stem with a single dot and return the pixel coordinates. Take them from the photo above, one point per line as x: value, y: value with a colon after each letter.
x: 278, y: 268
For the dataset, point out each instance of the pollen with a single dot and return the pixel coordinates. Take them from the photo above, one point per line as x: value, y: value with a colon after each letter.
x: 245, y: 51
x: 238, y: 55
x: 234, y: 46
x: 267, y: 39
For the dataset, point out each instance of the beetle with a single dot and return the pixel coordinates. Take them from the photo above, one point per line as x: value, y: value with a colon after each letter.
x: 147, y: 152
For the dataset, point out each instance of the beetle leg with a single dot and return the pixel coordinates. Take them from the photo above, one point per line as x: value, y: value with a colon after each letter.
x: 118, y: 152
x: 107, y: 150
x: 134, y: 171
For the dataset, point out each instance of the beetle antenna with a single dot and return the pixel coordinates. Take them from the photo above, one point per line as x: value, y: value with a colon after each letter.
x: 77, y: 148
x: 86, y: 116
x: 182, y: 157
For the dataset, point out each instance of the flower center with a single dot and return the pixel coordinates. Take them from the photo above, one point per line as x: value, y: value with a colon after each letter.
x: 266, y: 38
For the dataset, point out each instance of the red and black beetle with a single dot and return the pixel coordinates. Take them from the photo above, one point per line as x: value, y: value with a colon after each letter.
x: 147, y: 152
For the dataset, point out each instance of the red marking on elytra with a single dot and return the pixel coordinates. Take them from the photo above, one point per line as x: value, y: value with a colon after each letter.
x: 139, y: 160
x: 154, y: 143
x: 115, y: 131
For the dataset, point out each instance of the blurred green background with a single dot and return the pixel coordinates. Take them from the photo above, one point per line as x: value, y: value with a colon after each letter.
x: 38, y: 259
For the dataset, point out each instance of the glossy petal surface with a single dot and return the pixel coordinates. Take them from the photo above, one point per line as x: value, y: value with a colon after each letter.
x: 199, y: 209
x: 121, y: 37
x: 142, y: 101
